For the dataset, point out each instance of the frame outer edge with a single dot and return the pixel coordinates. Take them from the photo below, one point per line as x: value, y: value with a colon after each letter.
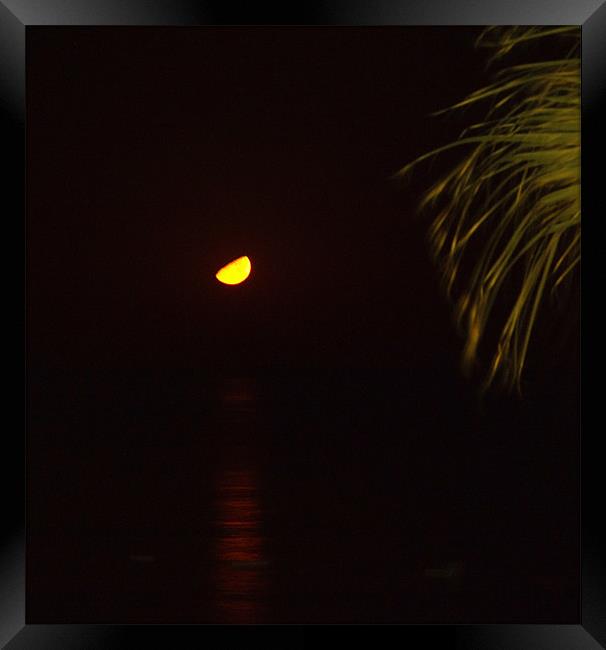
x: 12, y: 112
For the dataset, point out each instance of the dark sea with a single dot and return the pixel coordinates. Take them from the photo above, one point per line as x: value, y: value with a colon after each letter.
x: 307, y: 496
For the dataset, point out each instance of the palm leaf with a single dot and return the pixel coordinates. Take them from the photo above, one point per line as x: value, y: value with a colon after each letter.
x: 511, y: 206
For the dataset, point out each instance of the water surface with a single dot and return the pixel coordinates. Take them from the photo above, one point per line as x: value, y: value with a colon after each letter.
x: 341, y: 496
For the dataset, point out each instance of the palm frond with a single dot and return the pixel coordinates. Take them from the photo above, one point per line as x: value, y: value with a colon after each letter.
x: 512, y: 203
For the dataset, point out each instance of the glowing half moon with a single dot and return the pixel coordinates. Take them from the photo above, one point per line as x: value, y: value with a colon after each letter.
x: 234, y: 272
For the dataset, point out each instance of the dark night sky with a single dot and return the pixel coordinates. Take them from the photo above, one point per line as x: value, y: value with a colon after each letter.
x: 155, y: 156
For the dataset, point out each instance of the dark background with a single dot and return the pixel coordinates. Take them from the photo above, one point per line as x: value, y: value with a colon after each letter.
x: 154, y: 157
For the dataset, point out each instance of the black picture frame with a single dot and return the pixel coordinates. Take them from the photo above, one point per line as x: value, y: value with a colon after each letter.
x: 16, y: 16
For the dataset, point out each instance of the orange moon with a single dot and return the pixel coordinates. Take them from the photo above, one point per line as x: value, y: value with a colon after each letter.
x: 235, y: 272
